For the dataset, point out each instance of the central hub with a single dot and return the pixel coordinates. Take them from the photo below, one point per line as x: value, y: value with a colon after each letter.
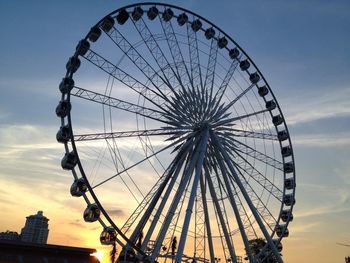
x: 201, y: 126
x: 195, y: 109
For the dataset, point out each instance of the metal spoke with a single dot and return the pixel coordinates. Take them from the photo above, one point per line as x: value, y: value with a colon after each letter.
x: 261, y: 208
x: 247, y: 134
x: 175, y: 50
x: 119, y: 104
x: 180, y: 191
x: 230, y: 121
x: 198, y: 171
x: 196, y: 75
x: 258, y: 177
x: 123, y: 134
x: 221, y: 91
x: 174, y: 166
x: 240, y: 95
x: 125, y: 78
x: 234, y: 206
x: 207, y: 219
x: 141, y: 161
x: 153, y: 193
x: 157, y: 53
x: 247, y: 198
x: 221, y: 218
x: 209, y: 77
x: 140, y: 62
x: 199, y: 221
x: 166, y: 195
x: 239, y: 146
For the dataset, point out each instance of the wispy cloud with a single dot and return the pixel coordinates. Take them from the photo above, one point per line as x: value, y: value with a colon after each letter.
x: 322, y: 210
x: 83, y: 225
x: 116, y: 212
x: 335, y: 200
x: 310, y: 106
x: 305, y: 228
x: 322, y: 140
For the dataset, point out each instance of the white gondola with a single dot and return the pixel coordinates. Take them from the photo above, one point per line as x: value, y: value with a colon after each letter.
x: 63, y: 108
x: 282, y: 135
x: 234, y: 53
x: 152, y: 12
x: 69, y: 161
x: 196, y: 25
x: 209, y: 33
x: 277, y: 120
x: 254, y: 78
x: 78, y: 187
x: 94, y: 34
x: 286, y: 151
x: 122, y: 17
x: 289, y: 200
x: 182, y: 19
x: 288, y: 167
x: 137, y: 13
x: 91, y: 213
x: 263, y: 91
x: 279, y: 245
x: 167, y: 15
x: 222, y: 42
x: 289, y: 183
x: 66, y: 85
x: 108, y: 236
x: 286, y: 215
x: 82, y: 47
x: 282, y: 230
x: 73, y: 64
x: 270, y: 105
x: 107, y: 24
x: 244, y: 65
x: 63, y: 134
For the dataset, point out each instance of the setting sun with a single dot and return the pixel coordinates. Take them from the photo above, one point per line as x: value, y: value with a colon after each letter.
x: 98, y: 254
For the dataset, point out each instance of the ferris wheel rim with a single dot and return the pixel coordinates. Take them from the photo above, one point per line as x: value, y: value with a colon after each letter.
x: 70, y: 74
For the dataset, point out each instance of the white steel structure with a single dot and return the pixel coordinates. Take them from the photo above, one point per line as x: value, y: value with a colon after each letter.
x: 175, y: 140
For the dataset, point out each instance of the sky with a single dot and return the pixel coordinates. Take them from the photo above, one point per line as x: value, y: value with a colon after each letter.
x: 301, y: 47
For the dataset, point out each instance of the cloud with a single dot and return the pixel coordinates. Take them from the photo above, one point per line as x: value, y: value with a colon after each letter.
x: 27, y: 86
x: 305, y: 228
x: 335, y: 200
x: 321, y: 211
x: 322, y: 140
x: 311, y: 106
x: 77, y: 223
x: 116, y: 213
x: 83, y: 225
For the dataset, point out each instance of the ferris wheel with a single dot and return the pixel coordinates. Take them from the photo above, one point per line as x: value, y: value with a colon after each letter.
x: 175, y: 140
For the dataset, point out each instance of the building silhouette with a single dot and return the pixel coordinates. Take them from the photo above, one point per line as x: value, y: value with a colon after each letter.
x: 30, y: 246
x: 36, y: 229
x: 18, y: 251
x: 10, y: 235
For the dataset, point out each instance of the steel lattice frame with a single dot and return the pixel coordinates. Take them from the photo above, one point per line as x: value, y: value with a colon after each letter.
x: 168, y: 122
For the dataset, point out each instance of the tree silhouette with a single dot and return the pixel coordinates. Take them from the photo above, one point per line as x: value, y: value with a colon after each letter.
x: 113, y: 253
x: 173, y: 246
x: 257, y: 246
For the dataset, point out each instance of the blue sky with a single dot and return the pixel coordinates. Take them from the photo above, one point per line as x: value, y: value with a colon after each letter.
x: 301, y: 47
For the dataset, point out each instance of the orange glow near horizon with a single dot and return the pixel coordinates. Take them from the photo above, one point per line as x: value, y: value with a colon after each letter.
x: 98, y: 254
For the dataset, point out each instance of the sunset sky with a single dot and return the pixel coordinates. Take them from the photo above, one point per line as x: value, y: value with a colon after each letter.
x: 301, y: 47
